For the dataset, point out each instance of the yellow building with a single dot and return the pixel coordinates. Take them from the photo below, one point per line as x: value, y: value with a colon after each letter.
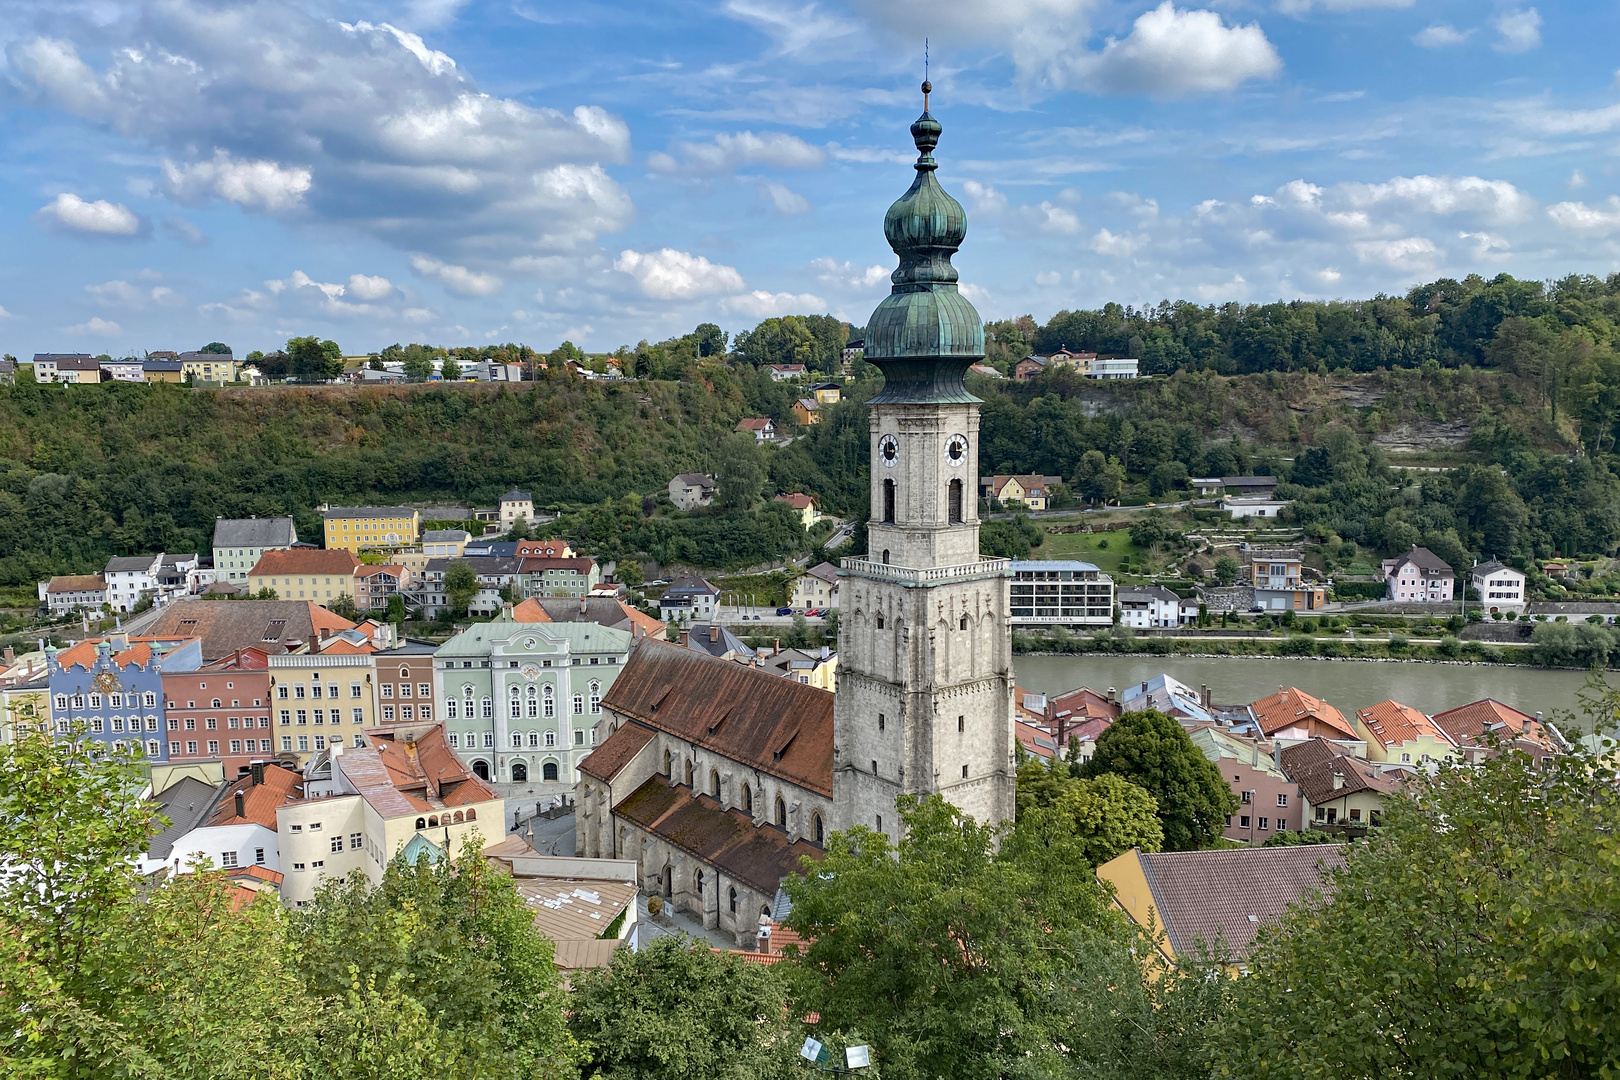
x: 804, y: 504
x: 208, y: 367
x: 355, y: 528
x: 807, y: 411
x: 827, y: 393
x: 808, y: 667
x: 1398, y: 734
x: 817, y: 587
x: 321, y: 700
x: 1031, y: 491
x: 305, y: 574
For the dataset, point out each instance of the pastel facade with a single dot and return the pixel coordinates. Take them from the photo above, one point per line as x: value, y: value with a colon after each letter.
x: 1400, y: 736
x: 1060, y: 593
x: 1419, y: 577
x: 356, y: 528
x: 320, y: 700
x: 1500, y: 587
x: 817, y: 587
x: 112, y: 691
x: 239, y: 543
x: 305, y: 574
x: 220, y: 713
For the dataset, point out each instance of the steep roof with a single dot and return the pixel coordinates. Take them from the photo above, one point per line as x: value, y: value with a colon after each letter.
x: 1392, y: 723
x: 716, y: 640
x: 755, y: 423
x: 1218, y: 745
x: 798, y: 500
x: 186, y: 803
x: 1468, y: 723
x: 619, y: 749
x: 1486, y: 569
x: 305, y: 561
x: 517, y: 496
x: 84, y: 655
x: 402, y: 777
x: 1315, y: 764
x: 689, y: 585
x: 274, y: 626
x: 1227, y: 894
x: 254, y: 532
x: 692, y: 479
x: 1290, y: 705
x: 757, y: 855
x: 538, y: 564
x: 825, y: 571
x: 1033, y: 483
x: 1425, y: 560
x: 604, y: 610
x: 778, y: 726
x: 259, y: 801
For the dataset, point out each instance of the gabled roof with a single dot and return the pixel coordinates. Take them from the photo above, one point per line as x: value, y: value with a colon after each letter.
x: 778, y: 726
x: 259, y: 801
x: 716, y: 640
x: 1495, y: 566
x: 125, y: 563
x: 280, y: 562
x: 1140, y: 594
x: 539, y: 564
x: 1315, y: 764
x: 227, y: 625
x: 1424, y: 559
x: 619, y: 749
x: 58, y: 357
x: 85, y: 653
x: 1392, y: 724
x: 517, y: 496
x: 692, y: 479
x: 1218, y: 746
x: 755, y: 423
x: 1032, y: 483
x: 603, y: 610
x: 1467, y: 724
x: 402, y: 777
x: 689, y: 585
x: 70, y: 583
x: 254, y: 532
x: 825, y: 571
x: 1291, y: 705
x: 186, y: 803
x: 798, y: 500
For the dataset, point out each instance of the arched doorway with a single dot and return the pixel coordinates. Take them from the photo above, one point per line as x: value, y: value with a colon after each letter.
x: 548, y: 772
x: 481, y: 769
x: 520, y: 772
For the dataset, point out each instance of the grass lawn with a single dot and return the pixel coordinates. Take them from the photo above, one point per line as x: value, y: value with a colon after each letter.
x: 1086, y: 548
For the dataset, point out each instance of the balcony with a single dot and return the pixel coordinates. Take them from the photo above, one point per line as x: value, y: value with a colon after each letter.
x: 910, y: 577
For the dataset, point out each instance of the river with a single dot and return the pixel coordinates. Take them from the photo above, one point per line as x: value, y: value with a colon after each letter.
x: 1347, y: 684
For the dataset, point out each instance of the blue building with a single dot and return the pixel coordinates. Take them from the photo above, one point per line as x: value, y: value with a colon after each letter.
x: 117, y: 694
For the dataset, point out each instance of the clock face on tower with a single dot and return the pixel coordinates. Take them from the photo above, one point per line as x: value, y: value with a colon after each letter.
x: 889, y: 451
x: 956, y: 451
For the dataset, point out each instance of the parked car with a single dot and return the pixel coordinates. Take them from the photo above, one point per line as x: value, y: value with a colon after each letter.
x: 784, y: 611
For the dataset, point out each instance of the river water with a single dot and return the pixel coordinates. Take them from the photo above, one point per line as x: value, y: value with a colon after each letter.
x: 1346, y: 684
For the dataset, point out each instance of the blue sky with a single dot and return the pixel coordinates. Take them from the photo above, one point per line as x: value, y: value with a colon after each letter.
x: 468, y: 171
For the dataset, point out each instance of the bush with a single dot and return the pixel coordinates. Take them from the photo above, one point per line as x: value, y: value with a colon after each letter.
x: 1399, y: 642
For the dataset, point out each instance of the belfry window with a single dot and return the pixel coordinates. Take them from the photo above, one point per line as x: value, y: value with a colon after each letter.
x: 888, y: 502
x: 954, y: 502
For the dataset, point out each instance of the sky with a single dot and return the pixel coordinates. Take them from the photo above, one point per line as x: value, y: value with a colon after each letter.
x: 465, y: 172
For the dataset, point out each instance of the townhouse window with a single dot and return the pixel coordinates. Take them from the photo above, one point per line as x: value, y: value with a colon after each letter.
x: 534, y: 703
x: 149, y: 700
x: 281, y: 692
x: 320, y: 742
x: 424, y: 690
x: 118, y: 724
x: 78, y: 701
x: 1265, y: 823
x: 337, y: 844
x: 212, y: 723
x: 517, y: 740
x: 1321, y: 814
x: 303, y: 742
x: 579, y: 704
x: 450, y: 709
x: 286, y: 717
x: 95, y: 724
x: 303, y: 717
x: 489, y: 740
x: 407, y: 713
x: 227, y: 860
x: 1243, y: 821
x: 95, y: 701
x: 455, y: 740
x: 258, y: 856
x: 387, y: 690
x: 115, y: 701
x: 286, y: 742
x: 61, y: 701
x: 596, y: 698
x: 174, y: 749
x: 579, y: 737
x: 426, y: 711
x: 191, y: 746
x: 236, y: 746
x: 191, y: 723
x: 213, y: 746
x: 1282, y: 800
x: 1248, y: 797
x: 488, y: 709
x: 356, y: 841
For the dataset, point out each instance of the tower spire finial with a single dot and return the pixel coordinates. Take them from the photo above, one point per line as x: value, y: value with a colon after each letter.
x: 926, y: 85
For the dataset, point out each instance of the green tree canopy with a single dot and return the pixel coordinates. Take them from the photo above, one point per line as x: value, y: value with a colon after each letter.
x: 1154, y: 751
x: 460, y: 584
x: 741, y: 472
x: 313, y: 360
x: 1108, y: 814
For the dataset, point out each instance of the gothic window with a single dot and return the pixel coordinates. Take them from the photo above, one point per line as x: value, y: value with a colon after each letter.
x: 818, y: 828
x: 954, y: 502
x: 714, y: 783
x: 781, y: 812
x: 748, y: 799
x: 731, y: 898
x: 668, y: 761
x: 885, y: 556
x: 880, y: 617
x: 963, y: 624
x: 888, y: 502
x: 688, y: 772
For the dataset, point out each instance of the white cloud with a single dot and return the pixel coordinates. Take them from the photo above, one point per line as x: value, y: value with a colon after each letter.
x: 786, y: 200
x: 795, y: 30
x: 762, y: 305
x: 1590, y: 219
x: 1327, y: 275
x: 362, y: 287
x: 725, y: 152
x: 1302, y: 7
x: 255, y: 185
x: 848, y: 276
x: 1235, y: 289
x: 69, y: 213
x: 458, y: 279
x: 4, y: 314
x: 185, y: 232
x: 984, y: 199
x: 1121, y: 246
x: 1494, y: 200
x: 97, y: 326
x: 120, y: 293
x: 1487, y: 247
x: 1048, y: 218
x: 668, y: 274
x: 416, y: 314
x: 1517, y: 31
x: 272, y: 105
x: 1406, y: 253
x: 1439, y: 36
x: 1171, y: 52
x: 1576, y: 181
x: 1048, y: 278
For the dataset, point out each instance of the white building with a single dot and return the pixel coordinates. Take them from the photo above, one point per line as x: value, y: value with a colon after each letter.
x: 1500, y: 587
x: 1061, y: 593
x: 241, y: 828
x: 131, y: 577
x: 66, y: 593
x: 1154, y: 606
x: 1253, y: 506
x: 1113, y: 369
x: 516, y: 506
x: 688, y: 598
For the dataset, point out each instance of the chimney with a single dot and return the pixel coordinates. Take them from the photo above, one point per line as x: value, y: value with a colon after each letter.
x: 1338, y: 780
x: 1111, y: 693
x: 686, y: 638
x: 325, y: 633
x: 714, y: 633
x: 1204, y: 695
x: 241, y: 805
x: 776, y: 646
x: 10, y: 656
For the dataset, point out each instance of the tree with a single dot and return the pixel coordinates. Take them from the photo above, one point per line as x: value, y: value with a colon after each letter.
x: 396, y: 609
x: 741, y: 473
x: 1468, y: 935
x: 376, y: 363
x: 1098, y: 477
x: 1154, y: 751
x: 449, y: 369
x: 1108, y: 814
x: 628, y: 571
x: 216, y: 348
x: 417, y: 367
x: 265, y: 593
x: 461, y: 584
x: 677, y: 1009
x: 313, y: 360
x: 344, y: 608
x: 1227, y: 569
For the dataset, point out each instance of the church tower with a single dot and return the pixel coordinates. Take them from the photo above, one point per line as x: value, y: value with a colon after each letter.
x: 925, y: 680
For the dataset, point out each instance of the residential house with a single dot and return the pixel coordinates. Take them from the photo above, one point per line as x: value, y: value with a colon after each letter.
x: 321, y: 575
x: 784, y: 372
x: 240, y: 542
x: 1032, y: 492
x: 181, y: 575
x: 499, y: 576
x: 272, y: 626
x: 1080, y: 716
x: 1206, y: 486
x: 130, y: 579
x: 1059, y: 592
x: 688, y: 598
x: 208, y: 367
x: 111, y: 689
x: 239, y: 828
x: 1268, y: 801
x: 1169, y: 696
x: 356, y: 528
x: 715, y: 640
x: 1080, y: 363
x: 1148, y: 606
x: 1120, y: 368
x: 762, y: 428
x: 1555, y: 568
x: 220, y: 713
x: 557, y: 576
x: 168, y: 371
x: 445, y: 543
x: 184, y: 803
x: 1194, y: 903
x: 1419, y: 577
x: 404, y: 687
x: 1500, y: 587
x: 986, y: 370
x: 806, y: 411
x: 373, y: 585
x: 321, y: 700
x: 817, y: 587
x: 1340, y: 791
x: 1292, y: 714
x: 126, y: 370
x: 65, y: 594
x: 1029, y: 368
x: 1256, y: 486
x: 688, y: 491
x: 1399, y: 735
x: 853, y: 350
x: 714, y: 776
x: 1035, y: 739
x: 811, y: 667
x: 552, y: 548
x: 363, y: 807
x: 66, y: 368
x: 804, y: 504
x: 522, y: 700
x: 1483, y: 726
x: 516, y: 506
x: 1279, y: 581
x: 827, y: 393
x: 1253, y: 506
x: 608, y: 611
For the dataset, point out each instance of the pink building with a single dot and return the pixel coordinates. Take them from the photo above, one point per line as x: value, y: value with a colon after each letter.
x: 1420, y: 576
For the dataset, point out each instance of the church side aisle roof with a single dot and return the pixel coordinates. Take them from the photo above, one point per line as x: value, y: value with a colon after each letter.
x: 759, y: 856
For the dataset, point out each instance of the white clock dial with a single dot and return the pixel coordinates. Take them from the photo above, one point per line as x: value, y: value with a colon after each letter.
x: 956, y: 451
x: 889, y: 451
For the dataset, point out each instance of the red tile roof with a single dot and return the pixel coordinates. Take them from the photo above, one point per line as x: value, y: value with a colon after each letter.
x: 1290, y: 706
x: 77, y: 583
x: 305, y: 561
x: 1467, y: 723
x: 797, y: 500
x: 402, y: 777
x: 1317, y: 765
x: 85, y: 652
x: 617, y: 751
x: 259, y: 801
x: 778, y: 726
x: 1392, y: 724
x: 753, y: 423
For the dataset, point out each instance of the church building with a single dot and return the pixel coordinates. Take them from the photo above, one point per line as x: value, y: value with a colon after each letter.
x: 719, y: 779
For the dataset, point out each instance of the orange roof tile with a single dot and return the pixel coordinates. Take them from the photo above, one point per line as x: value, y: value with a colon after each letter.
x: 1392, y: 724
x: 305, y: 561
x: 259, y: 801
x: 1291, y: 705
x: 1468, y: 723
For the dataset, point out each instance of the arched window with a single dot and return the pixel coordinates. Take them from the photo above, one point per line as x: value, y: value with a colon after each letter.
x: 888, y: 502
x: 963, y: 624
x: 781, y: 812
x: 459, y: 818
x: 421, y: 823
x: 714, y: 782
x: 472, y: 815
x: 548, y: 772
x: 748, y: 798
x: 668, y: 763
x: 216, y: 703
x: 731, y: 898
x: 433, y: 822
x: 534, y: 738
x: 688, y: 772
x: 953, y: 502
x: 818, y: 829
x: 520, y: 772
x: 514, y: 706
x: 404, y: 673
x: 534, y: 701
x: 481, y: 769
x: 551, y: 738
x: 550, y: 703
x: 596, y: 698
x: 697, y: 881
x: 880, y: 616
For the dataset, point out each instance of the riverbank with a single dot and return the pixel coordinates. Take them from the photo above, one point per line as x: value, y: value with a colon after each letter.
x: 1397, y: 647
